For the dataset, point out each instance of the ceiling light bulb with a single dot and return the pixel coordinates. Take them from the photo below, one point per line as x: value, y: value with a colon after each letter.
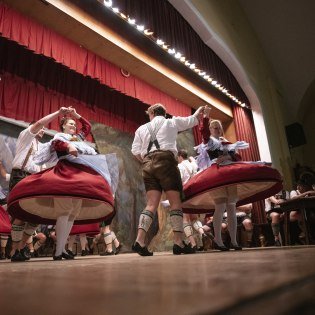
x: 178, y: 55
x: 148, y: 32
x: 108, y: 3
x: 131, y: 21
x: 159, y: 42
x: 116, y: 10
x: 123, y: 16
x: 183, y: 59
x: 192, y: 66
x: 140, y: 28
x: 171, y: 51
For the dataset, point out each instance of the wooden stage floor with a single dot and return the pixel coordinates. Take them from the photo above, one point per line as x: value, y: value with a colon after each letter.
x: 252, y: 281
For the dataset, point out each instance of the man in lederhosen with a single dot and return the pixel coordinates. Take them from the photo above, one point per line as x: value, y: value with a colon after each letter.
x: 155, y: 146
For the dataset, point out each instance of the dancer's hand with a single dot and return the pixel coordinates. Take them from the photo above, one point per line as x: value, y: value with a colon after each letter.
x: 206, y: 111
x: 73, y: 112
x: 63, y: 111
x: 72, y: 150
x: 199, y: 112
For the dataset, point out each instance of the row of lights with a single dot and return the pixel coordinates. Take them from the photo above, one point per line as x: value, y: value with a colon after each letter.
x: 177, y: 55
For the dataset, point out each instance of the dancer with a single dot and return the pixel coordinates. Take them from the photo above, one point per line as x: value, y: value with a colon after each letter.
x: 225, y: 180
x: 154, y: 146
x: 80, y: 187
x: 23, y: 165
x: 188, y: 168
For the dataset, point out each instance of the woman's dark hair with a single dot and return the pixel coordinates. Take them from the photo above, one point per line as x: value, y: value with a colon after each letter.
x: 63, y: 121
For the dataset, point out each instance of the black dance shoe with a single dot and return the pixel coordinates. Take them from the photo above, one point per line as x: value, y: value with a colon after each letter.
x: 142, y: 251
x: 26, y: 253
x: 177, y: 250
x: 70, y: 253
x: 66, y: 256
x: 118, y: 248
x: 236, y: 247
x: 221, y: 248
x: 84, y: 252
x: 57, y: 257
x: 17, y: 256
x: 107, y: 253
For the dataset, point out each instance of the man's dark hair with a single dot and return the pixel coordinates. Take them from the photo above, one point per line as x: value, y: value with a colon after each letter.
x: 183, y: 154
x: 157, y: 110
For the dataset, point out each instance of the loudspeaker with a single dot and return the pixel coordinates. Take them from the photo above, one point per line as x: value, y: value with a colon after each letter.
x: 295, y: 135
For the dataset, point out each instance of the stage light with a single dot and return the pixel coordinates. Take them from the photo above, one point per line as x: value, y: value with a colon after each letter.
x: 140, y: 28
x: 131, y: 21
x: 108, y: 3
x: 148, y: 32
x: 178, y: 55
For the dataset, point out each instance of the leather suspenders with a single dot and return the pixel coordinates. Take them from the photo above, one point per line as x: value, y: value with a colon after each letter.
x: 153, y: 133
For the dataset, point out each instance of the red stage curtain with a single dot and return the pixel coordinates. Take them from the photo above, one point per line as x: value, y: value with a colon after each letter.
x: 24, y: 100
x: 44, y: 41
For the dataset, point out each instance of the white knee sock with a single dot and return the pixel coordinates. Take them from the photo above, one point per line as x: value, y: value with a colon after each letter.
x: 217, y: 222
x: 61, y: 233
x: 232, y: 221
x: 68, y: 230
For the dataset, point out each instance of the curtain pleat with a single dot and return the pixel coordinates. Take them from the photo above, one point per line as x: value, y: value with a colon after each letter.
x: 27, y: 101
x: 46, y: 42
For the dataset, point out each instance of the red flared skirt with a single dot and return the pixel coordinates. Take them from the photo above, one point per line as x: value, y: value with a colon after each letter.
x: 32, y: 199
x: 250, y: 183
x: 5, y: 224
x: 88, y: 229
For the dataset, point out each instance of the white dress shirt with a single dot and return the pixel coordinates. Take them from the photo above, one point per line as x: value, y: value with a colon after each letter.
x: 187, y: 170
x: 166, y: 135
x: 25, y: 140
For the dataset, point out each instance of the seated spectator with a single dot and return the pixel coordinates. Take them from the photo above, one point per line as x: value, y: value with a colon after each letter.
x: 274, y: 213
x: 209, y: 230
x: 243, y: 214
x: 36, y: 240
x: 304, y: 189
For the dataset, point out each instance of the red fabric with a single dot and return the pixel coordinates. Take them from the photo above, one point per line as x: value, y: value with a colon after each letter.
x: 245, y: 130
x: 90, y: 229
x: 204, y: 130
x: 214, y: 178
x: 24, y: 100
x: 197, y: 135
x: 44, y: 41
x: 85, y: 128
x: 60, y: 146
x: 64, y: 180
x: 5, y: 224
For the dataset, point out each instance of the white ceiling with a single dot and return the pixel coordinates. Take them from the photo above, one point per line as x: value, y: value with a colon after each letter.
x: 286, y: 32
